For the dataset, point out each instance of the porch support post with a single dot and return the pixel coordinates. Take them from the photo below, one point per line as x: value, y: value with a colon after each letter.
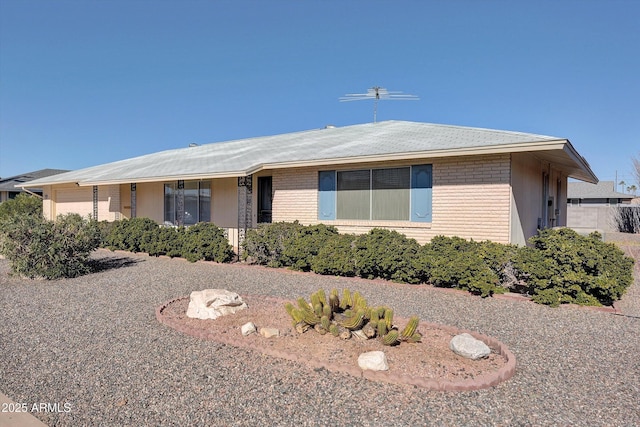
x: 95, y: 202
x: 244, y: 206
x: 133, y: 200
x: 180, y: 204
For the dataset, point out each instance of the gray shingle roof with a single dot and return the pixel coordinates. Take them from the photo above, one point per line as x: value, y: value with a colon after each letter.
x: 601, y: 190
x: 9, y: 183
x: 393, y: 139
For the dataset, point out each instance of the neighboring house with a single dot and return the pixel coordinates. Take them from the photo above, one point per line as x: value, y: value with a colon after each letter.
x: 8, y: 189
x: 593, y: 206
x: 420, y: 179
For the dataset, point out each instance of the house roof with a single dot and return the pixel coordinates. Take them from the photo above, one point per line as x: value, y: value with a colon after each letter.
x: 10, y: 183
x: 382, y: 141
x: 601, y: 190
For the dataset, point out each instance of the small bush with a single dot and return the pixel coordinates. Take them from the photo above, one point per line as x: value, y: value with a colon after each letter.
x: 304, y: 244
x: 627, y: 219
x: 454, y: 262
x: 133, y: 235
x: 51, y: 250
x: 564, y: 267
x: 336, y: 257
x: 265, y: 245
x: 22, y: 205
x: 165, y: 241
x: 206, y: 241
x: 386, y: 254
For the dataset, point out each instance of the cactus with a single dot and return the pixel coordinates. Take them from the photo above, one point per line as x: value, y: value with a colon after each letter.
x: 319, y: 329
x: 334, y: 301
x: 325, y: 322
x: 354, y: 322
x: 391, y: 338
x: 309, y: 317
x: 410, y: 329
x: 315, y: 300
x: 326, y: 311
x: 322, y: 297
x: 356, y: 315
x: 358, y: 301
x: 346, y: 302
x: 416, y: 337
x: 317, y: 309
x: 373, y: 315
x: 295, y: 314
x: 333, y: 328
x: 304, y: 305
x: 388, y: 318
x: 382, y: 328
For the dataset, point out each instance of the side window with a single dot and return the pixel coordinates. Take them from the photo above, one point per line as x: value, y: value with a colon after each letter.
x: 327, y: 195
x: 421, y: 193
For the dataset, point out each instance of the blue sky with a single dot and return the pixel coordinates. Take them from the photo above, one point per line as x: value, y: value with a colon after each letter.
x: 90, y: 82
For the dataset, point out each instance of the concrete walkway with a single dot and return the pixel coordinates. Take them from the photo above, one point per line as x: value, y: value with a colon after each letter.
x: 16, y: 419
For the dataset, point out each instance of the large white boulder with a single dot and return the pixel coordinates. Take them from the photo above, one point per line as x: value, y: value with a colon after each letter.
x: 373, y: 361
x: 467, y: 346
x: 213, y: 303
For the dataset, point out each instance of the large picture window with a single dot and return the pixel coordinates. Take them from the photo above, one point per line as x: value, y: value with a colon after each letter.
x: 389, y: 194
x: 196, y: 202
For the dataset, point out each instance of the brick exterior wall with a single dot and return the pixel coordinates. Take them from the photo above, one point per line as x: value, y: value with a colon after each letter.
x: 471, y: 199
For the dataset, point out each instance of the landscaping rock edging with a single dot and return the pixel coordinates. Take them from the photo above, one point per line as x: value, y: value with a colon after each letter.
x: 487, y: 380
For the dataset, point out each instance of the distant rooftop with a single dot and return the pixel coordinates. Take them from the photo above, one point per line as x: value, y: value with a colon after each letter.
x: 601, y: 190
x: 9, y: 183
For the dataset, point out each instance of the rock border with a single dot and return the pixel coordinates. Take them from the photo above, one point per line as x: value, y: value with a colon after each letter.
x: 487, y: 380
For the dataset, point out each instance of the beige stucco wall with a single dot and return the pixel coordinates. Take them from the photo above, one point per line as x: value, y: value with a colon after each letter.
x: 150, y: 201
x: 527, y: 196
x: 471, y: 199
x: 70, y: 198
x: 224, y: 202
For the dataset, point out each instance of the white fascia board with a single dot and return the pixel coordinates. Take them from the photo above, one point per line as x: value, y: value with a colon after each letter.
x: 193, y: 177
x: 581, y: 161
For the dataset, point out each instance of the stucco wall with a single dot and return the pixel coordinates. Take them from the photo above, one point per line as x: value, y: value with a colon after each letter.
x: 224, y: 202
x: 471, y: 198
x: 526, y: 197
x: 150, y: 201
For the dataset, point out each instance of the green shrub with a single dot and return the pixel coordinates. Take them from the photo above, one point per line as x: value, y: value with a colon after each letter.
x: 265, y: 245
x: 206, y: 241
x: 454, y: 262
x: 336, y: 257
x: 565, y: 267
x: 304, y: 244
x: 165, y: 241
x: 386, y: 254
x: 133, y: 235
x: 40, y: 248
x: 22, y: 205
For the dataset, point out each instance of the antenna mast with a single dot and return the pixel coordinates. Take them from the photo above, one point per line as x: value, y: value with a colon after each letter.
x: 378, y: 93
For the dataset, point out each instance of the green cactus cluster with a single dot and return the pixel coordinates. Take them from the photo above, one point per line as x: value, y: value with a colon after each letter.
x: 350, y: 313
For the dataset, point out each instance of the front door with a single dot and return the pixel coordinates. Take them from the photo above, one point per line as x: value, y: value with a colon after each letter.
x: 265, y: 199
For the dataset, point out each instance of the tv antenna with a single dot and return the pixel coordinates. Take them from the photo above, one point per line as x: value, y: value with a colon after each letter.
x: 378, y: 93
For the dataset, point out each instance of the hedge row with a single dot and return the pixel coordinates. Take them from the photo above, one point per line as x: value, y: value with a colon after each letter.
x: 201, y: 241
x: 559, y: 267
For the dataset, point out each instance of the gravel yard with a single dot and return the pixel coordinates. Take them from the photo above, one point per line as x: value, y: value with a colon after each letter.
x: 94, y: 343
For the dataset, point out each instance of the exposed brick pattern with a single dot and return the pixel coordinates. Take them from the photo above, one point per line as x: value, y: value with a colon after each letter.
x: 471, y: 199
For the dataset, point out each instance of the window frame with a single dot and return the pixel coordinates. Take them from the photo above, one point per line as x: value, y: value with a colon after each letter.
x: 419, y: 194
